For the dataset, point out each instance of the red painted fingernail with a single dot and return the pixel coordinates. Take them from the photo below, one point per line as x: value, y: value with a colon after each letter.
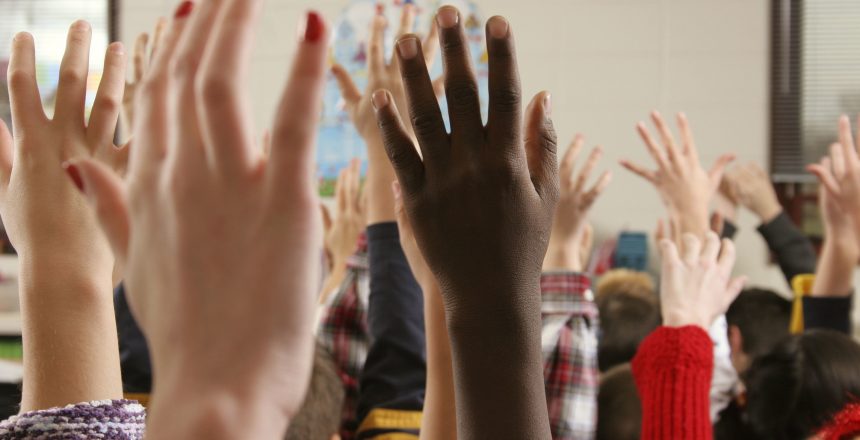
x: 184, y: 9
x: 75, y: 175
x: 313, y: 27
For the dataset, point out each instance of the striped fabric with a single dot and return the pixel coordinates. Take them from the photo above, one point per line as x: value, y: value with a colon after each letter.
x: 103, y: 419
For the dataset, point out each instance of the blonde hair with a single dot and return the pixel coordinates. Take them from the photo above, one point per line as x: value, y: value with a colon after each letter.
x: 626, y: 281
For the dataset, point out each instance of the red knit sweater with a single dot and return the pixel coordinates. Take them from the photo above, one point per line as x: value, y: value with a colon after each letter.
x: 673, y: 370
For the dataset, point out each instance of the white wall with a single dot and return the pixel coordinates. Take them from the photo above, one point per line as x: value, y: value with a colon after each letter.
x: 607, y: 63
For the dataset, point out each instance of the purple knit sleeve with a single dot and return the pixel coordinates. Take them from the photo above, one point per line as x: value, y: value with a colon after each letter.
x: 102, y: 419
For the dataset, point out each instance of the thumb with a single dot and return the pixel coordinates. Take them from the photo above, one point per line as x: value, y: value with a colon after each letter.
x: 106, y: 194
x: 716, y: 171
x: 402, y: 221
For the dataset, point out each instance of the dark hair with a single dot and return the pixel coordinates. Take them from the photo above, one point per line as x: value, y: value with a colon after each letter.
x: 798, y: 387
x: 625, y: 320
x: 763, y: 317
x: 619, y: 410
x: 320, y: 415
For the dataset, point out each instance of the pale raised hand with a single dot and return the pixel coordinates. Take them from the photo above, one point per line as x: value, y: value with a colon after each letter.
x: 66, y: 264
x: 754, y: 190
x: 696, y: 287
x: 574, y: 203
x: 221, y: 244
x: 683, y: 184
x: 342, y: 232
x: 143, y: 54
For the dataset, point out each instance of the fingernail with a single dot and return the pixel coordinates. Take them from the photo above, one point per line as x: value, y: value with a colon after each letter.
x: 183, y: 9
x: 116, y: 48
x: 547, y: 105
x: 498, y: 27
x: 379, y: 99
x: 447, y: 17
x: 408, y: 47
x: 314, y: 28
x: 75, y: 175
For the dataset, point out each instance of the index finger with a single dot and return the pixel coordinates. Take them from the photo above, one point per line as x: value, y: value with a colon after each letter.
x: 24, y: 97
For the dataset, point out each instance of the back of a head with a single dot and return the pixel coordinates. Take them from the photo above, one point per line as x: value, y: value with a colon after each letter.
x: 763, y: 317
x: 319, y: 417
x: 625, y: 320
x: 627, y: 281
x: 799, y: 386
x: 619, y: 410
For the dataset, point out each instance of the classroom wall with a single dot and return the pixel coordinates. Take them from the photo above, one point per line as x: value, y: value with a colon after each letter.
x: 607, y: 63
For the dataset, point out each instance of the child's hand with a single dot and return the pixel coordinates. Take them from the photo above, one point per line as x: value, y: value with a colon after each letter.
x: 574, y: 203
x: 755, y: 191
x: 221, y: 245
x: 696, y: 288
x: 47, y: 219
x: 141, y: 64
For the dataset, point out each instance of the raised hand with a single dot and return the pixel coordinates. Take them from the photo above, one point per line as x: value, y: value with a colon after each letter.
x: 842, y: 178
x: 574, y: 203
x: 221, y: 245
x: 684, y: 186
x: 754, y: 190
x: 487, y: 191
x: 341, y: 236
x: 141, y: 64
x: 696, y: 287
x: 381, y: 74
x: 66, y: 264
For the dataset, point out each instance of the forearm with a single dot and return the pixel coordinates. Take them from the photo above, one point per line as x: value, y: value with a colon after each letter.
x: 70, y: 338
x: 563, y: 256
x: 333, y: 280
x: 499, y: 343
x: 440, y: 414
x: 793, y: 249
x: 693, y: 220
x: 835, y: 273
x: 380, y: 174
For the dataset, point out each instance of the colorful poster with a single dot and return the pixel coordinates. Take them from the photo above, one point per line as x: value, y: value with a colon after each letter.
x: 338, y: 140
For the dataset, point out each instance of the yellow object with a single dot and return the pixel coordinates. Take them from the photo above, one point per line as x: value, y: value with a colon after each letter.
x: 142, y: 398
x: 392, y: 419
x: 801, y: 285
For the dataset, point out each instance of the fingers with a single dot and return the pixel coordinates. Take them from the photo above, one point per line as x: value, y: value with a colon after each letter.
x: 24, y: 98
x: 711, y: 248
x: 72, y: 87
x: 294, y: 133
x: 825, y: 175
x: 569, y: 159
x: 593, y: 158
x: 108, y: 102
x: 376, y: 49
x: 541, y: 147
x: 669, y: 253
x: 838, y: 161
x: 846, y: 138
x: 151, y: 120
x: 505, y: 109
x: 6, y: 153
x: 716, y: 172
x: 140, y: 59
x: 598, y: 188
x: 105, y: 192
x: 653, y: 149
x: 689, y: 149
x: 733, y: 290
x: 407, y: 20
x: 225, y: 115
x: 424, y: 110
x: 157, y: 36
x: 461, y: 88
x: 639, y: 170
x: 726, y: 261
x: 691, y: 250
x: 348, y: 90
x: 666, y: 136
x: 398, y: 145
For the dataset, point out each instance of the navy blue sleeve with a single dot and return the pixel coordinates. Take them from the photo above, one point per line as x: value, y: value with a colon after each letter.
x: 833, y: 313
x: 793, y: 249
x: 394, y: 374
x: 729, y: 229
x: 133, y: 351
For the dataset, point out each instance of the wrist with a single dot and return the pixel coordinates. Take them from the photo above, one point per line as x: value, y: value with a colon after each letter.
x: 680, y: 319
x: 768, y: 212
x: 214, y: 415
x: 563, y: 257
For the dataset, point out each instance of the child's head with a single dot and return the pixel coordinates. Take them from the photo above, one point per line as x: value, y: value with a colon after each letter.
x: 628, y: 313
x: 320, y: 415
x: 619, y: 411
x: 799, y: 386
x: 758, y: 319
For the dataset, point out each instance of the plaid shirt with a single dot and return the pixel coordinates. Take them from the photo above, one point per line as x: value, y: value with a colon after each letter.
x: 569, y: 343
